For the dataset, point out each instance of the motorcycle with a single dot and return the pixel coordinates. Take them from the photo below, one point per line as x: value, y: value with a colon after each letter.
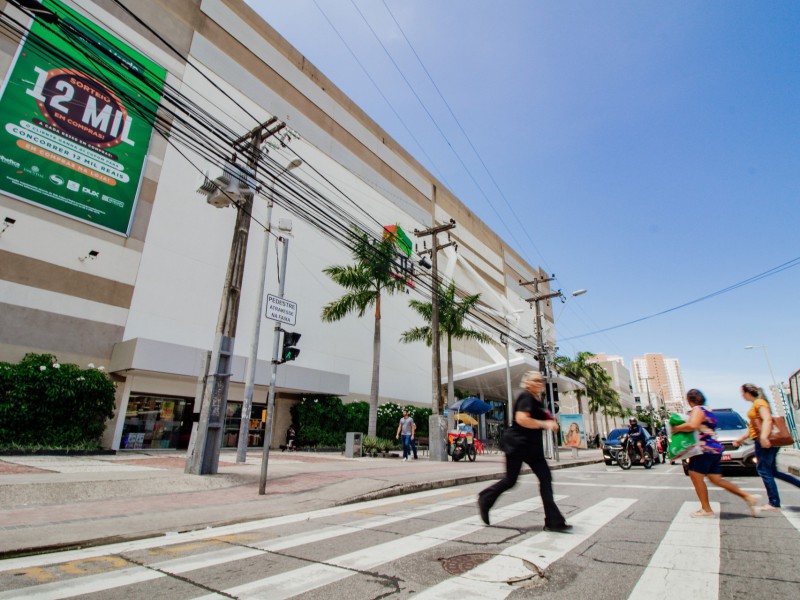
x: 628, y: 454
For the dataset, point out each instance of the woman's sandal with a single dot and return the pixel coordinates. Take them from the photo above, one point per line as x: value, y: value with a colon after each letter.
x: 702, y: 514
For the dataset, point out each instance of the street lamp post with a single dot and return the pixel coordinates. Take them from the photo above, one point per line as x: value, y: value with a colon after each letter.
x: 787, y: 409
x: 252, y: 357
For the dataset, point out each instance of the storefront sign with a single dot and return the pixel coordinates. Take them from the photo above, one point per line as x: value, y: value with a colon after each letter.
x: 76, y: 116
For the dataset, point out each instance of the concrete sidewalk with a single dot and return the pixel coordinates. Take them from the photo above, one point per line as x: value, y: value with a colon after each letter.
x: 53, y: 503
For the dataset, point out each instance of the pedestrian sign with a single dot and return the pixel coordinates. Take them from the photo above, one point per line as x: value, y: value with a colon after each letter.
x: 281, y: 309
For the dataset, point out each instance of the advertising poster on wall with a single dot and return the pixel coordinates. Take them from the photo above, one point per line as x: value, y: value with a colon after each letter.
x: 77, y: 112
x: 573, y: 431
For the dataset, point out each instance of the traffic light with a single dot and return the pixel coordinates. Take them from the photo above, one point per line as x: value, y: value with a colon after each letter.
x: 290, y: 352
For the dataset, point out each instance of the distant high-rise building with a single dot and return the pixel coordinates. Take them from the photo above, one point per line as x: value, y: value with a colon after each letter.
x: 659, y: 379
x: 620, y: 376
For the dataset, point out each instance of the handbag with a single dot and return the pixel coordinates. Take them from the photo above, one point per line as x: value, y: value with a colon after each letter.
x: 779, y: 436
x: 511, y: 441
x: 684, y: 444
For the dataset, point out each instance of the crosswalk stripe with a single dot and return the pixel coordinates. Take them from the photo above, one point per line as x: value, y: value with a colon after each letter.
x: 88, y: 584
x: 687, y: 559
x: 133, y: 575
x: 489, y: 580
x: 629, y: 486
x: 210, y: 559
x: 26, y: 562
x: 305, y: 579
x: 792, y: 515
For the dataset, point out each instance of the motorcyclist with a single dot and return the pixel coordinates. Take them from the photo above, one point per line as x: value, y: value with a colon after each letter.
x: 662, y: 443
x: 635, y: 434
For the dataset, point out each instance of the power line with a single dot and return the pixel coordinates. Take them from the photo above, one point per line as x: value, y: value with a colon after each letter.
x: 469, y: 141
x: 183, y: 121
x: 768, y: 273
x: 377, y: 87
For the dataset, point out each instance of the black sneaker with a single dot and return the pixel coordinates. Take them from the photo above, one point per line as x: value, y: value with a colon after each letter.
x: 563, y: 528
x: 484, y: 510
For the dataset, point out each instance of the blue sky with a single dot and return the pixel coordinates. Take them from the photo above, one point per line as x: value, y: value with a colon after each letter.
x: 645, y: 151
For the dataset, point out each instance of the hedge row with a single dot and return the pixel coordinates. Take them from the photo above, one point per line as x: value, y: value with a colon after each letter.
x: 325, y: 421
x: 45, y: 404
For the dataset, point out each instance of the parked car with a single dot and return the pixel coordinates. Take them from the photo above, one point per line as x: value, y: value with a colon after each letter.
x: 731, y: 426
x: 612, y: 441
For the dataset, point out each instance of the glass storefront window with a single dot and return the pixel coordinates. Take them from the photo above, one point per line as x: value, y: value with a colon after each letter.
x: 157, y: 422
x: 233, y: 419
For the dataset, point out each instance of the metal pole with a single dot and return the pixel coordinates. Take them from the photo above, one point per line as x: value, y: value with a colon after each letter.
x: 510, y: 417
x: 252, y: 357
x: 276, y: 336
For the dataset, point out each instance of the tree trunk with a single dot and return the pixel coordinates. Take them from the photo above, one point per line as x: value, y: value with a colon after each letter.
x: 372, y: 426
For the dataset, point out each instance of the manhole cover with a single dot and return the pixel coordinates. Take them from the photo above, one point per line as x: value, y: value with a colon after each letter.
x: 484, y: 566
x: 458, y: 565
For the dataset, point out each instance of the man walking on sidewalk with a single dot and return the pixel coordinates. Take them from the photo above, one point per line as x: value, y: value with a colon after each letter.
x: 407, y: 429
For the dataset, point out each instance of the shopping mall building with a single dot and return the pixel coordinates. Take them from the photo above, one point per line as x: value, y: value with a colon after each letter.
x: 109, y: 256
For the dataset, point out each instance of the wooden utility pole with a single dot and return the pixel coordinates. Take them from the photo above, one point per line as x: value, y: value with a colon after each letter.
x: 541, y: 349
x: 204, y: 459
x: 437, y: 447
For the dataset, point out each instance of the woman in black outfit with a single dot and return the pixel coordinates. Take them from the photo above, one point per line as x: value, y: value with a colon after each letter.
x: 522, y: 442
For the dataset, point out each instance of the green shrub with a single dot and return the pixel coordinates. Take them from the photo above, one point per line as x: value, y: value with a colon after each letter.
x: 325, y: 420
x: 45, y: 404
x: 356, y: 416
x: 385, y: 445
x: 319, y: 421
x: 371, y: 444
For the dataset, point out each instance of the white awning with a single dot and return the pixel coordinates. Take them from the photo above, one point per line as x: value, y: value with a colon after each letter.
x: 490, y: 380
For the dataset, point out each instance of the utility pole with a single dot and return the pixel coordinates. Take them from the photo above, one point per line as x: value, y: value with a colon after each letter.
x: 541, y: 351
x: 437, y: 424
x: 204, y: 459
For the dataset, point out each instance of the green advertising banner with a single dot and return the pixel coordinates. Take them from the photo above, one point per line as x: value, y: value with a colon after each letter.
x: 77, y: 112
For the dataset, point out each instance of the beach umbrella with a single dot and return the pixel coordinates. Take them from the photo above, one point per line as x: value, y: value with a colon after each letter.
x: 471, y: 405
x: 465, y: 418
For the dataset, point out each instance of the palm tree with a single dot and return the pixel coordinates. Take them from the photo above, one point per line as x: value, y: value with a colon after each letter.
x: 371, y: 275
x: 577, y: 369
x: 452, y: 313
x: 600, y: 394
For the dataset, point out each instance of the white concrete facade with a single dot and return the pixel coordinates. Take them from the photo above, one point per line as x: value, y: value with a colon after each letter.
x: 158, y: 289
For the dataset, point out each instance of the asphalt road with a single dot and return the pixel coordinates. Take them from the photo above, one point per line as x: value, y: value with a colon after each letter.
x: 632, y: 538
